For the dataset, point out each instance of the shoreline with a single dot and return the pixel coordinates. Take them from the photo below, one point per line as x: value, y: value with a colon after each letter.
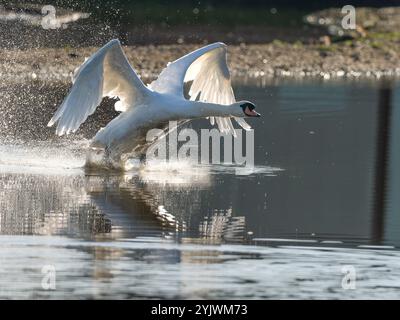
x: 316, y: 48
x: 275, y: 59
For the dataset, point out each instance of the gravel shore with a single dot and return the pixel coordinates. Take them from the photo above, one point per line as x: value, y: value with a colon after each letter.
x: 355, y: 59
x: 372, y: 51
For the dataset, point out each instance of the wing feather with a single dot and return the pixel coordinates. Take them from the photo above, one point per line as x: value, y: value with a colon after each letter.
x: 105, y: 73
x: 211, y: 81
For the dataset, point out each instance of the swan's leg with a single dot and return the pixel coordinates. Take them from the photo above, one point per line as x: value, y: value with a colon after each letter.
x: 103, y: 158
x: 113, y: 159
x: 94, y: 157
x: 133, y: 160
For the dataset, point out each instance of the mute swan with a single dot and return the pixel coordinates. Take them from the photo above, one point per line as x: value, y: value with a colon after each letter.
x: 108, y: 73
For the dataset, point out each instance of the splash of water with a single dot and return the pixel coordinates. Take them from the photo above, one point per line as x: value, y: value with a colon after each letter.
x: 42, y: 157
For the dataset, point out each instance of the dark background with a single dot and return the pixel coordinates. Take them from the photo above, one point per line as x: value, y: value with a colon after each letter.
x: 178, y: 12
x: 174, y: 21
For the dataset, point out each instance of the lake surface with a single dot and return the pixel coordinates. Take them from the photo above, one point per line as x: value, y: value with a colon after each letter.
x: 321, y: 198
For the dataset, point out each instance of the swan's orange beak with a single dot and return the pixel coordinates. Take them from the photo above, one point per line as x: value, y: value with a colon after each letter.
x: 251, y: 113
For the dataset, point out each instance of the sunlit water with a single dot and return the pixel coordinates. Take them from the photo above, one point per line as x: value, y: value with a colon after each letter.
x: 323, y: 195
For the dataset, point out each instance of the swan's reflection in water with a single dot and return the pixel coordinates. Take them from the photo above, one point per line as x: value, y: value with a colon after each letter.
x: 125, y: 222
x: 139, y: 229
x: 222, y: 225
x: 158, y: 201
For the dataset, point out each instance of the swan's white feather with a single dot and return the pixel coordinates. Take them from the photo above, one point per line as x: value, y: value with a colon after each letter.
x: 106, y: 73
x: 207, y: 68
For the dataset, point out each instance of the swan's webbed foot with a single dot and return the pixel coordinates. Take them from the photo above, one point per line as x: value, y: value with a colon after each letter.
x: 133, y: 161
x: 102, y: 158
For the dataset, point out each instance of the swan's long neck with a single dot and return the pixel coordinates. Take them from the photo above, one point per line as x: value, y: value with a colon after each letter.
x: 196, y: 109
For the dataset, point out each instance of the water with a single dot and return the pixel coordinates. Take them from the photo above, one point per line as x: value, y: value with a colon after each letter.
x: 322, y: 196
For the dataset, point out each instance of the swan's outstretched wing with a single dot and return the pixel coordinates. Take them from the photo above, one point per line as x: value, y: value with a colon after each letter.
x: 105, y: 73
x: 207, y: 68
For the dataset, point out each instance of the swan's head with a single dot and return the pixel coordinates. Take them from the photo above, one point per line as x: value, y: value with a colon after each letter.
x: 248, y: 109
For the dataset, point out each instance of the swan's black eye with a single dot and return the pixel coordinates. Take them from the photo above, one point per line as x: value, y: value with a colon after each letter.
x: 247, y: 105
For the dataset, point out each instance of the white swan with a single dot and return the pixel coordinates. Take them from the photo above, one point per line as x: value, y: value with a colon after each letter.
x: 108, y: 73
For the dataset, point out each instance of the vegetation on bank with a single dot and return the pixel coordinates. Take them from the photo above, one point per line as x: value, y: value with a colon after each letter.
x: 264, y: 40
x: 181, y: 13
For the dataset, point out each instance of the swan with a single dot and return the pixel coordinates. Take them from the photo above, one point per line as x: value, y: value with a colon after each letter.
x: 108, y: 73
